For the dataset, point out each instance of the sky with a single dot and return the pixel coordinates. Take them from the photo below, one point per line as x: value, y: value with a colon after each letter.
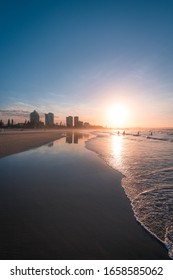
x: 86, y: 57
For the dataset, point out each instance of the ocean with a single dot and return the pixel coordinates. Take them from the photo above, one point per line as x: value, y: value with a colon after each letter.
x: 145, y: 158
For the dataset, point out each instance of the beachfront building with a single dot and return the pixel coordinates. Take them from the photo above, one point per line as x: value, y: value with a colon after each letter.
x: 49, y: 119
x: 86, y: 124
x: 80, y: 124
x: 69, y: 121
x: 34, y: 118
x: 76, y: 121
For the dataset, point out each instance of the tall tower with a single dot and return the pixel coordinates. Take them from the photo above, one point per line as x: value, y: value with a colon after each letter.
x: 76, y: 121
x: 34, y: 118
x: 69, y: 121
x: 49, y: 119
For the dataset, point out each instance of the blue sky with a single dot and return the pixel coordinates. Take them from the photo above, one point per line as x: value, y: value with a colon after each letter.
x: 74, y: 57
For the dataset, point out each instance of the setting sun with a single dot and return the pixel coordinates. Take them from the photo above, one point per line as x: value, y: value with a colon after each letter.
x: 117, y: 115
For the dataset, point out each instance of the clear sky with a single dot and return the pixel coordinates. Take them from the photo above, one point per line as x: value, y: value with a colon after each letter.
x: 83, y: 57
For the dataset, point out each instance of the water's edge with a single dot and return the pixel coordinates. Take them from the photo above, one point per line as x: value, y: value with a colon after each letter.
x: 132, y: 202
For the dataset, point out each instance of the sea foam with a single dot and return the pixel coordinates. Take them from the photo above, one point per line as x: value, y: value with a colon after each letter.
x: 146, y: 162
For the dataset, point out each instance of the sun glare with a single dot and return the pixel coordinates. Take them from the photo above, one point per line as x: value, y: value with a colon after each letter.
x: 117, y: 115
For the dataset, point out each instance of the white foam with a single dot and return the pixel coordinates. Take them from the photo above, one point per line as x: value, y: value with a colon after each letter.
x: 147, y: 166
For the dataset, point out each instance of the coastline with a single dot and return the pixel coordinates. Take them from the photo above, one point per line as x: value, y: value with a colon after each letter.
x: 16, y: 141
x: 95, y: 219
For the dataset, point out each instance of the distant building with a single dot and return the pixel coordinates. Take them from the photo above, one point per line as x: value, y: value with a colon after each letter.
x: 76, y: 121
x: 49, y: 119
x: 34, y: 118
x: 86, y: 124
x: 69, y: 121
x: 80, y: 124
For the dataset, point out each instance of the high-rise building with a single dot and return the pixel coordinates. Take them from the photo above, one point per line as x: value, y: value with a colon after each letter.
x: 76, y: 121
x: 34, y: 118
x: 69, y: 121
x: 80, y: 124
x: 49, y: 119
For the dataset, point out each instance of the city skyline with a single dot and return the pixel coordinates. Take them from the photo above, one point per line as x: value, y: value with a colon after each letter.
x: 110, y: 62
x: 34, y: 120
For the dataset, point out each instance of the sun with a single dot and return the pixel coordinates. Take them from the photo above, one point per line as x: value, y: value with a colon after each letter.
x: 117, y: 115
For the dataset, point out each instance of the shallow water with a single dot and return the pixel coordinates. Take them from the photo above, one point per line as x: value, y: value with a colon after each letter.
x: 35, y: 186
x: 146, y: 161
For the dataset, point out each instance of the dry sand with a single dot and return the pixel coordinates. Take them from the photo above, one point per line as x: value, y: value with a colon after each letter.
x: 83, y: 213
x: 15, y: 141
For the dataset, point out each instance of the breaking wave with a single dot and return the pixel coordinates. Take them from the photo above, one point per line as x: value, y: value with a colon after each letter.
x: 147, y: 166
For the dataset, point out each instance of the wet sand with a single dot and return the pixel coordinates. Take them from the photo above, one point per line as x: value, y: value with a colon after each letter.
x: 83, y: 214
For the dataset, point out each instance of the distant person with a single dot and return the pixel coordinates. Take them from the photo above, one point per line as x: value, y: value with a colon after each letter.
x: 124, y: 132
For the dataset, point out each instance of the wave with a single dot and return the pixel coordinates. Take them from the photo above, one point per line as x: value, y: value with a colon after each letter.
x: 153, y: 209
x: 155, y: 135
x: 147, y: 181
x: 159, y: 139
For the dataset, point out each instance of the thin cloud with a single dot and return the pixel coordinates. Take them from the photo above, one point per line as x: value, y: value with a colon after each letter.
x: 14, y: 113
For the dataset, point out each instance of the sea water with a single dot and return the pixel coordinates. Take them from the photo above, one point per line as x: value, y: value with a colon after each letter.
x: 145, y: 159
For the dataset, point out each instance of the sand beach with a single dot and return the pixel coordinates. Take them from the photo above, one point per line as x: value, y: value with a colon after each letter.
x: 85, y: 214
x: 16, y: 141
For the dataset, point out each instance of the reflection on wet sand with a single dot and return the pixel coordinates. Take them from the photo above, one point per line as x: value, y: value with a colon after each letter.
x: 74, y: 137
x: 50, y: 144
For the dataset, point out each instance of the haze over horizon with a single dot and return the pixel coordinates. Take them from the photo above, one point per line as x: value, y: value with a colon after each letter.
x: 83, y: 58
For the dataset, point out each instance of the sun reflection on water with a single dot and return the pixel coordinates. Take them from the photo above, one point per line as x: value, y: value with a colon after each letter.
x: 116, y: 148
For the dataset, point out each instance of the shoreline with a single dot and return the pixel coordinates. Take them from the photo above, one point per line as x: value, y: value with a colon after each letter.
x: 16, y: 141
x: 95, y: 218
